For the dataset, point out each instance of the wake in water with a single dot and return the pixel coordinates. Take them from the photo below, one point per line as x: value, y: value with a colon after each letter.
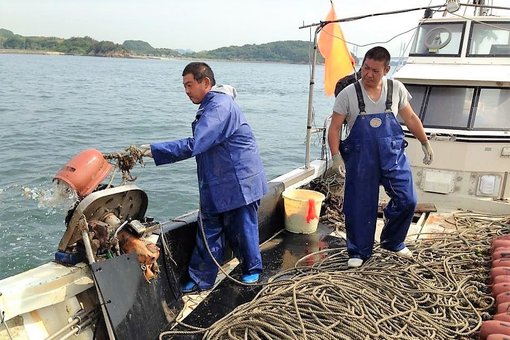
x: 59, y: 195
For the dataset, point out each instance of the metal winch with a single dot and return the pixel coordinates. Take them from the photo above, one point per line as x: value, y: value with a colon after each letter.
x: 105, y: 221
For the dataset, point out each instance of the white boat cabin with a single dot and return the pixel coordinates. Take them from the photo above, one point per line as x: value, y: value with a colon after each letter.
x: 458, y: 73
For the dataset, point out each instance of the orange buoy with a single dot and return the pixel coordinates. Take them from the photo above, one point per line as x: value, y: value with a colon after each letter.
x: 501, y: 262
x: 500, y: 242
x: 498, y: 337
x: 499, y: 288
x: 494, y: 327
x: 500, y: 252
x: 501, y: 278
x: 503, y: 307
x: 503, y: 297
x: 497, y: 271
x: 502, y: 237
x: 502, y: 317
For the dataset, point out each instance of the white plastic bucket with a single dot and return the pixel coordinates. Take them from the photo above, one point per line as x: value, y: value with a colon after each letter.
x: 302, y: 210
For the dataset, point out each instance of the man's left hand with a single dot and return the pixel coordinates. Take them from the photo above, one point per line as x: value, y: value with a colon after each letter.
x: 428, y: 153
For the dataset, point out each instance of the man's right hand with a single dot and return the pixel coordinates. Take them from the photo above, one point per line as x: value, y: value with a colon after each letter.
x: 338, y: 167
x: 146, y: 150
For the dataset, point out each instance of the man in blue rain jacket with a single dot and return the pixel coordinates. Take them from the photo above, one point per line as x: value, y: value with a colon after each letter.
x: 374, y: 154
x: 231, y: 178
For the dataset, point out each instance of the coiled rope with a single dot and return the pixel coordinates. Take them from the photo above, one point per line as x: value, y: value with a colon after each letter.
x: 442, y: 293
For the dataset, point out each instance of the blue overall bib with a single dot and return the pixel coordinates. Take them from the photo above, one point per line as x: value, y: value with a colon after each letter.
x: 374, y: 155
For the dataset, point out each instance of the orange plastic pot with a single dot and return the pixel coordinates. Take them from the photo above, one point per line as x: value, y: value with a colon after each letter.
x: 85, y: 171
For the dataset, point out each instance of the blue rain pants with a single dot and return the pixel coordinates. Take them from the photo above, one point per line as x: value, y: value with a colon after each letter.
x: 238, y: 227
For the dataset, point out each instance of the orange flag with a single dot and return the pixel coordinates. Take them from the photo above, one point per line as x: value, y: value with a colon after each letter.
x: 338, y: 61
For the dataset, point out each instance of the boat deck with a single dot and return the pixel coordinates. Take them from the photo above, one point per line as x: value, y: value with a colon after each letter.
x: 427, y: 231
x: 278, y: 254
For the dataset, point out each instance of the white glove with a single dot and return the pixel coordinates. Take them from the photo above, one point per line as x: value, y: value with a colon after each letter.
x: 428, y: 153
x: 338, y: 167
x: 146, y: 150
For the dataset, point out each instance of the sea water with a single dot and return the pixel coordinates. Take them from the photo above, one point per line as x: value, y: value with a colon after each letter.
x: 53, y: 107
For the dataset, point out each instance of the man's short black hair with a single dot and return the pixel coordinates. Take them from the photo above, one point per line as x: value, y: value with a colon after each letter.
x: 378, y: 53
x: 199, y: 70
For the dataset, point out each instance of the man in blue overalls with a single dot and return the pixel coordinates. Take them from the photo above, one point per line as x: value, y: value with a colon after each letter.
x: 374, y: 155
x: 231, y: 178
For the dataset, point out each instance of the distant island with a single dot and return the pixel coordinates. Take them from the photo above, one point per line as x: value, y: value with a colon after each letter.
x: 291, y: 51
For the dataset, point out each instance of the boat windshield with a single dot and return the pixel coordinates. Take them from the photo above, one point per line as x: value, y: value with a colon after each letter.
x: 489, y: 39
x: 467, y: 108
x: 438, y: 39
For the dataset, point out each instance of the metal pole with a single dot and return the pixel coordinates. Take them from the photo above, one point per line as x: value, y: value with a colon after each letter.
x: 310, y: 99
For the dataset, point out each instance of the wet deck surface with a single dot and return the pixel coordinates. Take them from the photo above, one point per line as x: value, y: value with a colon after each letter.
x: 279, y: 253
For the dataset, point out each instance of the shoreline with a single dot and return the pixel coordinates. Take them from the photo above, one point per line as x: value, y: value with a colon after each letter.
x: 18, y: 51
x: 53, y: 53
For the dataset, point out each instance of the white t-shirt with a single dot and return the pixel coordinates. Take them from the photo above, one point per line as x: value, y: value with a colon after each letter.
x: 347, y: 101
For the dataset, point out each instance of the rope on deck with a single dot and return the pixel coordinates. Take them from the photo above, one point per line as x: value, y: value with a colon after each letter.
x: 442, y: 293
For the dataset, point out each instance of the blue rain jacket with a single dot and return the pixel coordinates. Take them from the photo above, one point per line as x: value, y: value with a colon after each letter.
x: 229, y: 167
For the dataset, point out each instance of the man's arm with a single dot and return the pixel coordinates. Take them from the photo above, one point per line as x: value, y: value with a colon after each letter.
x: 413, y: 123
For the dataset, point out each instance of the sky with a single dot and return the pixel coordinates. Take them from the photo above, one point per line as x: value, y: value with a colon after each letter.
x: 205, y: 24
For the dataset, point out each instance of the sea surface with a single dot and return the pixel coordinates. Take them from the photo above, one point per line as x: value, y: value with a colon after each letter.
x: 53, y: 107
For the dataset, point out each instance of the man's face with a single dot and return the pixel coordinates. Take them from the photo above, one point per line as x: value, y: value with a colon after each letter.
x: 196, y: 91
x: 372, y: 72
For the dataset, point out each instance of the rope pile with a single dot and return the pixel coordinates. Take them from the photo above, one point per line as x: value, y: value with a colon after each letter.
x: 441, y: 294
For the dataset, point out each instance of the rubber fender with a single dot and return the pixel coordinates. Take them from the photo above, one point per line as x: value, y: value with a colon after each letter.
x: 500, y: 242
x: 499, y: 288
x: 503, y: 297
x: 502, y: 237
x: 501, y: 278
x: 502, y: 317
x: 503, y: 308
x: 500, y: 252
x: 497, y: 271
x: 494, y: 327
x: 502, y: 262
x: 498, y: 337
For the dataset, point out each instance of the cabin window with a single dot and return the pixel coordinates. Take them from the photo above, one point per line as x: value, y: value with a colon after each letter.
x: 448, y: 107
x: 489, y: 39
x: 418, y: 94
x: 493, y: 108
x: 435, y: 39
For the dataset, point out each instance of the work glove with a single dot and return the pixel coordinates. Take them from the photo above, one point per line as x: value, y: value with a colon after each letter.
x: 338, y: 167
x: 146, y: 150
x: 428, y: 153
